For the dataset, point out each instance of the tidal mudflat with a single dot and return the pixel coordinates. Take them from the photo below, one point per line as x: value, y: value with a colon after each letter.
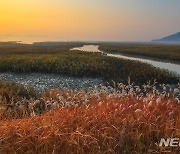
x: 43, y: 81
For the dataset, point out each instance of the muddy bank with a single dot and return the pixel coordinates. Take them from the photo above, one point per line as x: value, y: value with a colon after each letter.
x: 41, y: 81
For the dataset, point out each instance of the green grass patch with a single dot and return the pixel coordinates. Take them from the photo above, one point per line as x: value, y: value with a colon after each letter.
x: 10, y: 92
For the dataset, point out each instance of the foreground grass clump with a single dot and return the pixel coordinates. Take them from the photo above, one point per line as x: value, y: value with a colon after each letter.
x: 10, y: 91
x: 126, y: 119
x: 111, y: 126
x: 76, y: 63
x: 163, y: 52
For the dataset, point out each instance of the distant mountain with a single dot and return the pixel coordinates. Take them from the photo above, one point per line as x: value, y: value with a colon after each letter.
x: 174, y: 38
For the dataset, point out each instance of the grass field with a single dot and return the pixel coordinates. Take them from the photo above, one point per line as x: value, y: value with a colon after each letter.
x: 60, y: 60
x: 115, y: 121
x: 118, y: 119
x: 162, y: 52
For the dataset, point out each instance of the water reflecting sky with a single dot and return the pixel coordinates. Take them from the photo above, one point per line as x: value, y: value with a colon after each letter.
x: 163, y: 65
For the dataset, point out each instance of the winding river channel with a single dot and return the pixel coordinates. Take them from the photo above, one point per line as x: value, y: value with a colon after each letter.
x: 162, y: 65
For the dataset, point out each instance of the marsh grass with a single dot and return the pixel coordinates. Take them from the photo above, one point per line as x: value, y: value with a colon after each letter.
x: 10, y: 90
x: 80, y: 64
x: 94, y: 122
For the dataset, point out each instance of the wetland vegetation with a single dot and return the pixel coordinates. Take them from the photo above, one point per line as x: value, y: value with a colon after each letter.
x: 61, y: 60
x: 112, y: 118
x: 106, y: 120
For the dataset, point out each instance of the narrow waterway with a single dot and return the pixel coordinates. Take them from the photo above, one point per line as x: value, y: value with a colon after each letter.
x: 162, y: 65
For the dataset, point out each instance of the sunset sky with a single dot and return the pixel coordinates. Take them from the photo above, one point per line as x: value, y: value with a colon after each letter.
x: 88, y: 20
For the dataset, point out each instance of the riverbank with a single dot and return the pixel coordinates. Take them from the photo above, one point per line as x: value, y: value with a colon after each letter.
x: 166, y: 53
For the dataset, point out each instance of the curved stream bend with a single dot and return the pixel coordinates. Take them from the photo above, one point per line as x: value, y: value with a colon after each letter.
x: 162, y: 65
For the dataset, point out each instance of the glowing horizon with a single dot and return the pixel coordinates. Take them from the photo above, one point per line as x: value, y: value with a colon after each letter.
x: 105, y: 20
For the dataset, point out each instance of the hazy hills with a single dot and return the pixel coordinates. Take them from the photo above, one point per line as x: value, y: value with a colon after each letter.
x: 174, y: 38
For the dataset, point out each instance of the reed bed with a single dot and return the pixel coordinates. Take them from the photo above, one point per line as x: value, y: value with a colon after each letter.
x: 119, y: 119
x: 81, y: 64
